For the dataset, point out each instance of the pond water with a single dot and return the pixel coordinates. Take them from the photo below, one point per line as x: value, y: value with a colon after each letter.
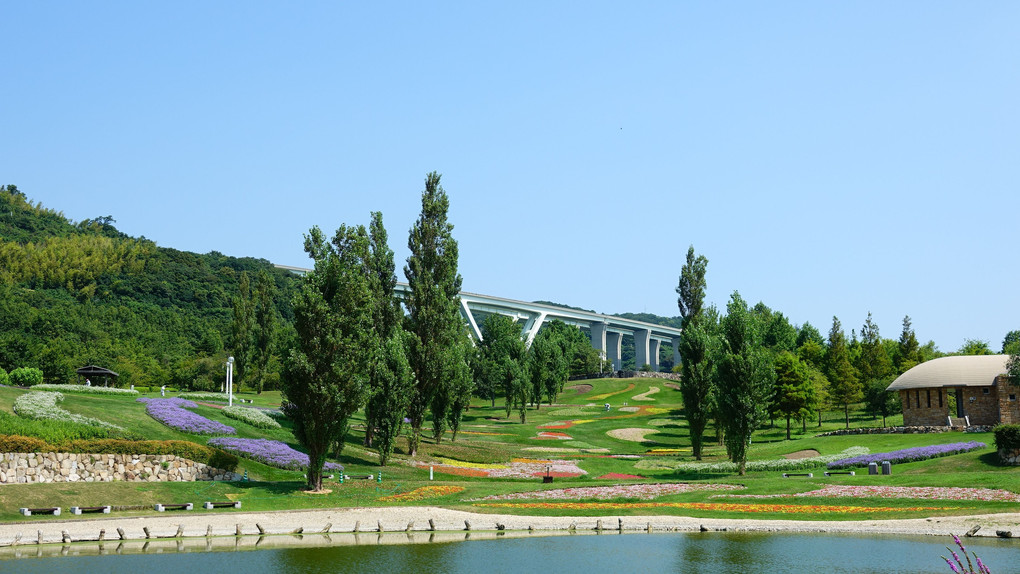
x: 713, y: 552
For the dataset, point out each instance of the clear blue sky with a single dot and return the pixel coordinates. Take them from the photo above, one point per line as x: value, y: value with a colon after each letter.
x: 827, y: 158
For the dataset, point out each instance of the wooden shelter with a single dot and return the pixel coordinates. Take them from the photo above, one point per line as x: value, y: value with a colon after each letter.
x: 93, y: 372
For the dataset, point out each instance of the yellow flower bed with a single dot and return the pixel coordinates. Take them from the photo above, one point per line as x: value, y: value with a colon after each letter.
x: 423, y: 493
x: 462, y: 464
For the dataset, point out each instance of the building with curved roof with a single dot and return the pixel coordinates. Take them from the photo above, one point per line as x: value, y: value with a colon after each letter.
x: 975, y: 384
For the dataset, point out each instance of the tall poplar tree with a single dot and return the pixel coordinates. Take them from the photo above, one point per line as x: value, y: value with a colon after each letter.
x: 433, y: 303
x: 844, y: 386
x: 390, y: 378
x: 326, y: 375
x: 243, y: 329
x: 696, y: 383
x: 264, y: 335
x: 745, y: 377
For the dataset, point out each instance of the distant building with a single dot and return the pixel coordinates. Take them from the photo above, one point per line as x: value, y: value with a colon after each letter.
x: 978, y: 384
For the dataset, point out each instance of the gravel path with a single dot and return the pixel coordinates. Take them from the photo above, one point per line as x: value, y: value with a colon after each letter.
x: 198, y: 523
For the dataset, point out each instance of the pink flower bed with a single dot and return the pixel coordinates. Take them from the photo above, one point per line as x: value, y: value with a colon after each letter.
x: 915, y: 492
x: 639, y: 491
x: 554, y: 435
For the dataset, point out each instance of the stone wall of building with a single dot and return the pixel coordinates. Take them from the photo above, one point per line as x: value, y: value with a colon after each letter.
x: 75, y: 467
x: 981, y: 405
x: 925, y: 407
x: 1009, y: 406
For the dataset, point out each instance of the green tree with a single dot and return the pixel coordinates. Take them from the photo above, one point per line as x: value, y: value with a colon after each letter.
x: 326, y: 375
x: 433, y: 305
x: 794, y: 395
x: 808, y: 332
x: 504, y: 359
x: 695, y: 346
x: 461, y: 385
x: 844, y: 386
x: 26, y: 377
x: 264, y: 332
x: 745, y: 379
x: 908, y: 354
x: 549, y: 365
x: 975, y: 347
x: 1011, y: 343
x: 873, y: 363
x: 390, y: 382
x: 879, y: 401
x: 243, y: 330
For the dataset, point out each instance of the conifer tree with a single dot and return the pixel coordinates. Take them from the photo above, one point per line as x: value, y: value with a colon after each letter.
x: 696, y: 383
x: 844, y: 386
x: 433, y: 304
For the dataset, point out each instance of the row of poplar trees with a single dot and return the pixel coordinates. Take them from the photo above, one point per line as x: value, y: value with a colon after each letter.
x: 355, y: 347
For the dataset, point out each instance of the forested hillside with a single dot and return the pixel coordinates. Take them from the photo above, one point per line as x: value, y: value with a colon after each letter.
x: 73, y: 294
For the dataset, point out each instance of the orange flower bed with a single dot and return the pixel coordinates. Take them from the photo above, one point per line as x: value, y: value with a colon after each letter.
x: 460, y: 471
x: 712, y: 506
x: 423, y: 493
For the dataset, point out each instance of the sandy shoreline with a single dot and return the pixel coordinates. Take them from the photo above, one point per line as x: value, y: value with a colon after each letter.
x: 409, y: 520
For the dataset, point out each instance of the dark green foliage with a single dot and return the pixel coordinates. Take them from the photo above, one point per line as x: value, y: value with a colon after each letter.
x: 695, y: 347
x: 908, y: 351
x: 390, y: 383
x: 794, y: 392
x: 265, y: 331
x: 549, y: 355
x: 873, y: 362
x: 4, y: 377
x: 1011, y: 343
x: 844, y: 385
x: 433, y: 304
x: 880, y: 402
x: 745, y: 379
x: 26, y: 377
x: 243, y: 330
x: 974, y: 347
x: 808, y: 332
x: 1007, y: 437
x: 503, y: 361
x: 78, y: 294
x: 326, y: 375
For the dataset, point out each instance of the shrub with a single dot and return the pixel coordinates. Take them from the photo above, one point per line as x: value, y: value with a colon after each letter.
x: 182, y: 448
x: 83, y: 390
x: 1007, y: 437
x: 43, y: 405
x: 4, y: 378
x: 16, y: 443
x: 47, y: 429
x: 197, y: 396
x: 909, y: 454
x: 26, y: 377
x: 255, y: 417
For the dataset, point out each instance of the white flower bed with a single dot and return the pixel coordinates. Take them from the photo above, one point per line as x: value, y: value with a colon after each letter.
x: 83, y: 390
x: 772, y: 465
x: 204, y: 396
x: 255, y: 417
x: 43, y: 405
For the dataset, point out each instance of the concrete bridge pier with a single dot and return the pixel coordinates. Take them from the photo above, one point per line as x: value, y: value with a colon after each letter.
x: 614, y: 349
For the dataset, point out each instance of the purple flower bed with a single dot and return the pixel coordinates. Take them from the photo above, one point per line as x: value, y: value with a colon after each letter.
x: 908, y: 454
x: 271, y: 452
x: 172, y: 413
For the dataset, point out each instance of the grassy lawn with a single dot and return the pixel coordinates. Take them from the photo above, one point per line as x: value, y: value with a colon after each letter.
x: 642, y: 434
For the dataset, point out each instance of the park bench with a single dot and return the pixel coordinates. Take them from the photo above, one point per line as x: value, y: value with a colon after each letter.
x: 228, y: 504
x: 847, y: 472
x: 164, y: 507
x: 791, y: 474
x: 359, y: 477
x: 54, y: 510
x: 81, y: 509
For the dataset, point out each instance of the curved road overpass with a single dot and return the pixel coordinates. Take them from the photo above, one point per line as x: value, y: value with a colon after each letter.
x: 606, y: 331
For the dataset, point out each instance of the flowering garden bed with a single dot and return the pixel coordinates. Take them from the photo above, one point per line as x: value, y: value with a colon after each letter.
x: 517, y: 468
x: 172, y: 412
x: 423, y: 493
x: 639, y: 491
x: 912, y: 492
x: 711, y: 507
x: 908, y: 454
x: 271, y: 452
x: 43, y: 405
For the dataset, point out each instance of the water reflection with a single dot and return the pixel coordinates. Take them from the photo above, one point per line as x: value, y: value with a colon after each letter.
x: 510, y: 551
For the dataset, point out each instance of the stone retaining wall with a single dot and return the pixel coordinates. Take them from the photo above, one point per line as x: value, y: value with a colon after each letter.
x: 37, y: 467
x: 1010, y: 456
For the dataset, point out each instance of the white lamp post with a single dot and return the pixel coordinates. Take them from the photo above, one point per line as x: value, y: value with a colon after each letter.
x: 230, y: 381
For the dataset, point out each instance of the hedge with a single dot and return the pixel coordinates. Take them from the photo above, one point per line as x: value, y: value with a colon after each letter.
x: 1007, y: 436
